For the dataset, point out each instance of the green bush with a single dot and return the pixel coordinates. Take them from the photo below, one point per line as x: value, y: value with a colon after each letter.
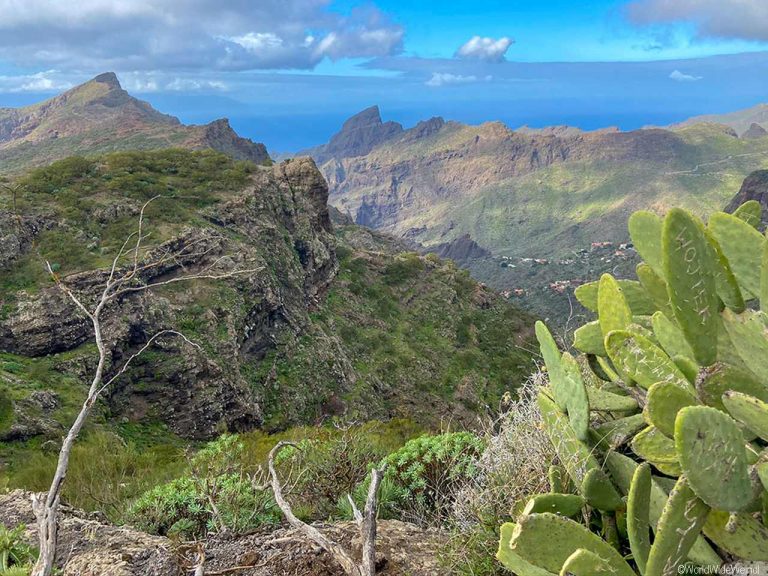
x: 217, y: 482
x: 16, y: 556
x: 427, y: 473
x: 405, y: 267
x: 330, y: 468
x: 662, y: 425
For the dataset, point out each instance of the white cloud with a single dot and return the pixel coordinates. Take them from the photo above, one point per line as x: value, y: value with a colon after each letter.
x: 49, y: 81
x: 445, y: 78
x: 487, y: 49
x: 183, y: 35
x: 680, y: 77
x: 145, y: 83
x: 746, y: 19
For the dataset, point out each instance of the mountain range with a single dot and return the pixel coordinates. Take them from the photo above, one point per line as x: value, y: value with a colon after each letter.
x: 534, y: 211
x: 340, y: 321
x: 98, y: 117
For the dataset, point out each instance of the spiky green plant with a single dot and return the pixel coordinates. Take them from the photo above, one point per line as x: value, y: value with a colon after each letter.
x: 662, y: 422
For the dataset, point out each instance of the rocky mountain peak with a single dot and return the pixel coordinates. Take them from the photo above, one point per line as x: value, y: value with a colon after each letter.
x: 110, y: 79
x: 754, y: 131
x: 100, y: 116
x: 358, y: 136
x: 368, y: 117
x: 755, y: 187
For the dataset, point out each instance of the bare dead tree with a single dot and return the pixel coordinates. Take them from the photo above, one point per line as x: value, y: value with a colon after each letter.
x: 366, y: 522
x: 120, y: 282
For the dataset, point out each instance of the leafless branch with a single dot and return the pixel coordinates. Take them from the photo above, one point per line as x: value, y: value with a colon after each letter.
x: 46, y: 506
x: 367, y: 523
x: 143, y: 349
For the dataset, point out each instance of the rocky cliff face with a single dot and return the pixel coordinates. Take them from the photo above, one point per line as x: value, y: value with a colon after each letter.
x: 279, y: 223
x: 100, y: 116
x: 533, y: 192
x: 755, y: 187
x: 398, y: 184
x: 358, y: 136
x: 336, y: 322
x: 755, y: 131
x: 462, y: 250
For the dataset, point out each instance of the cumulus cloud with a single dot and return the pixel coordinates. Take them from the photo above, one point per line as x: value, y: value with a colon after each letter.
x: 680, y: 77
x: 484, y: 48
x: 48, y: 81
x: 745, y: 19
x: 446, y: 78
x: 183, y: 35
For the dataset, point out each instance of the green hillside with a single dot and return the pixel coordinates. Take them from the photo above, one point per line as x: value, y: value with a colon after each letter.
x: 338, y: 323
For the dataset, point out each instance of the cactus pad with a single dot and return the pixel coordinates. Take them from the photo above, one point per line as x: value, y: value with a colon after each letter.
x: 670, y: 337
x: 719, y: 378
x: 750, y: 212
x: 740, y: 535
x: 638, y: 515
x: 679, y: 526
x: 664, y: 401
x: 690, y: 273
x: 547, y: 540
x: 743, y: 246
x: 748, y: 410
x: 613, y: 310
x: 511, y: 560
x: 604, y: 401
x: 622, y: 469
x: 640, y: 360
x: 645, y: 229
x: 589, y: 339
x: 656, y: 288
x: 600, y: 492
x: 585, y: 563
x: 747, y: 332
x: 637, y: 297
x: 576, y: 399
x: 710, y: 447
x: 562, y: 504
x: 574, y: 455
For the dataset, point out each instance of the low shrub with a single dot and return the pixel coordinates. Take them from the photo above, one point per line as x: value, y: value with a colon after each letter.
x: 105, y: 473
x: 16, y: 556
x: 328, y: 469
x: 217, y: 494
x: 427, y: 473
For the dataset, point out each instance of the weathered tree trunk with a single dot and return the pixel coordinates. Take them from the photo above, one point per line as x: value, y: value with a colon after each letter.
x: 366, y: 523
x: 118, y: 284
x: 46, y: 509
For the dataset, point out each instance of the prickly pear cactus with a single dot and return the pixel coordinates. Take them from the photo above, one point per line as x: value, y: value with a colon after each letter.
x: 661, y: 423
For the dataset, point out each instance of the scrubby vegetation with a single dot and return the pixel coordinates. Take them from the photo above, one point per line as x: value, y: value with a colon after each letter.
x: 16, y: 556
x: 416, y: 328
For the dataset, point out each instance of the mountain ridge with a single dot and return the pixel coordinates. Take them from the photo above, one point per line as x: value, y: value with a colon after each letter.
x: 544, y: 195
x: 100, y: 116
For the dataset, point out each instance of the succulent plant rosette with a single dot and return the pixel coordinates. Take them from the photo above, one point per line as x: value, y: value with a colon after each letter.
x: 660, y: 416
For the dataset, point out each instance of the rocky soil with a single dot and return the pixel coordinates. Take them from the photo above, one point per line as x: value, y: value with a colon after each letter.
x: 88, y: 546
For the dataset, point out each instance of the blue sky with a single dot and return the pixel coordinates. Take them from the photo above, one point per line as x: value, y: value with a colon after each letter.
x: 287, y: 72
